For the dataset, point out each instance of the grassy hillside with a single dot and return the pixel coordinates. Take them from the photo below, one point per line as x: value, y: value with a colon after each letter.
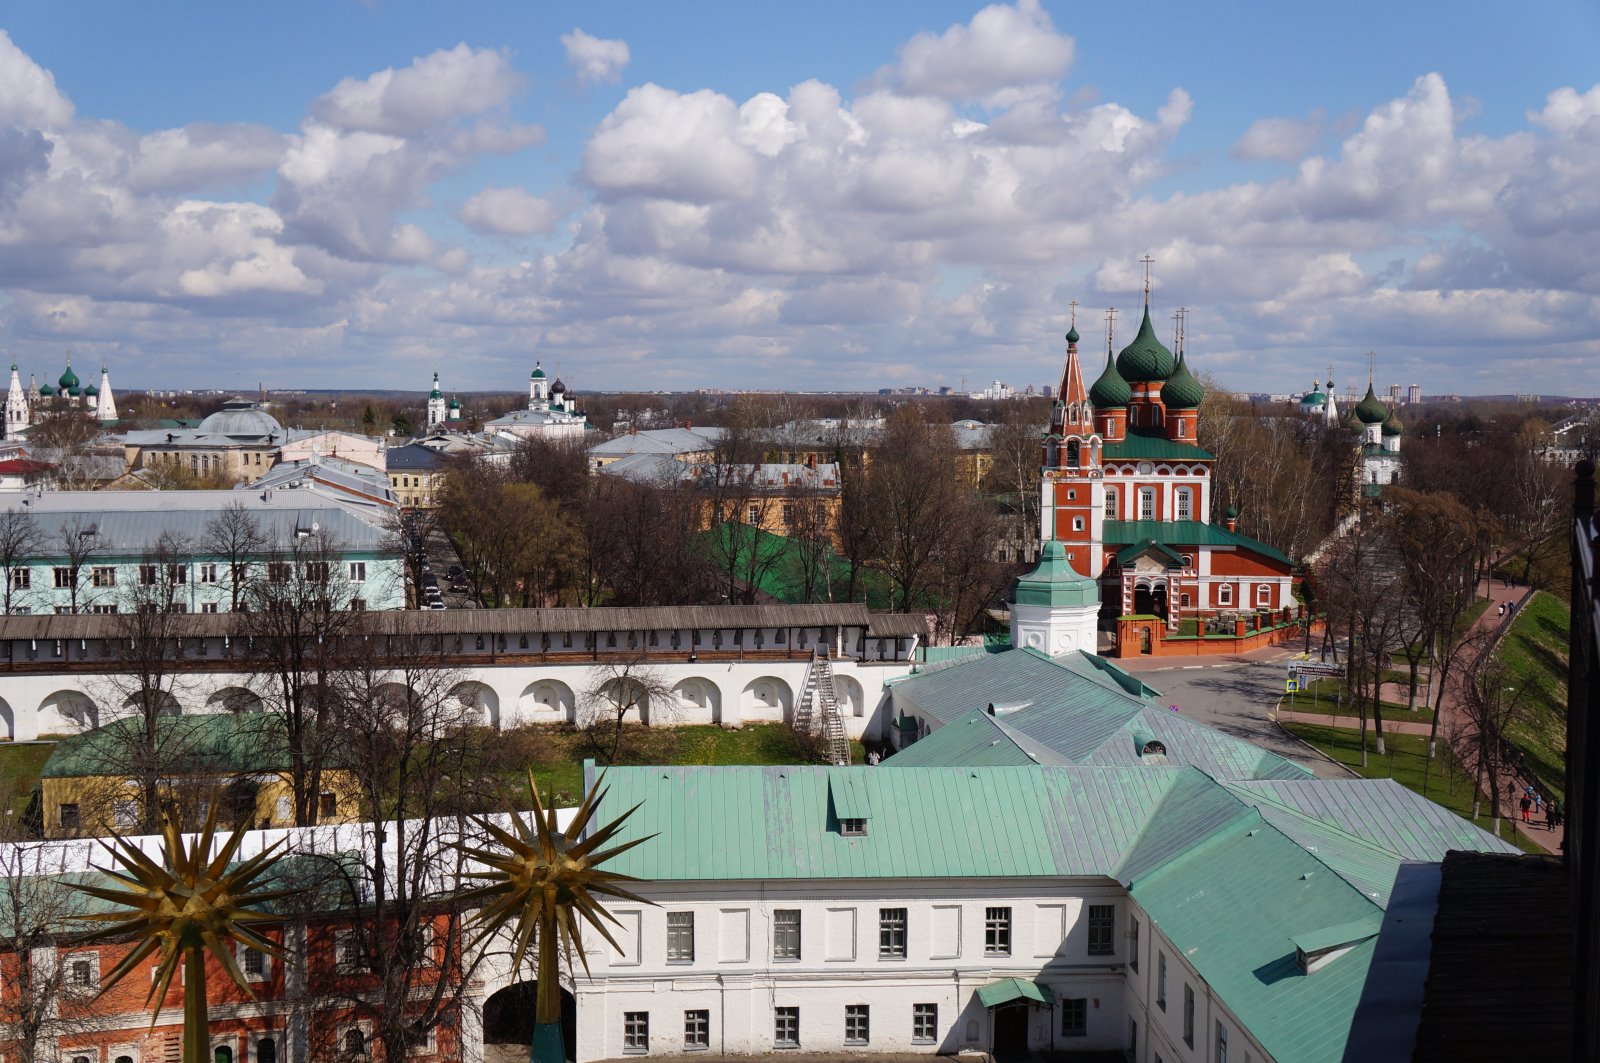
x: 1535, y: 651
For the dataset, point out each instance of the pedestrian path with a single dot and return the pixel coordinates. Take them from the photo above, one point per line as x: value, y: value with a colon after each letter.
x: 1505, y: 600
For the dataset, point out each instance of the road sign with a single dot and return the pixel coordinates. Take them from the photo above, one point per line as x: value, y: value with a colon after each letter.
x: 1316, y: 669
x: 1292, y: 687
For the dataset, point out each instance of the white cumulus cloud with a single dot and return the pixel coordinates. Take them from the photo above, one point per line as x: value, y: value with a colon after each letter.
x: 595, y: 58
x: 510, y: 212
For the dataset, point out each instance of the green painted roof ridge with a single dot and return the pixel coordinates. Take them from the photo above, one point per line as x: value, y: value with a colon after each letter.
x: 1245, y: 818
x: 1107, y: 673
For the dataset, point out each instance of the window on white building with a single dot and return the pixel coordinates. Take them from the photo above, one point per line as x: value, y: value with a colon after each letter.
x: 103, y: 576
x: 786, y: 1027
x: 696, y: 1030
x: 210, y: 607
x: 1075, y: 1017
x: 892, y: 933
x: 21, y: 579
x: 924, y: 1023
x: 63, y: 577
x: 358, y: 572
x: 857, y: 1024
x: 1147, y: 503
x: 1188, y: 1014
x: 1222, y: 1043
x: 786, y: 934
x: 997, y: 931
x: 1161, y: 980
x: 1133, y: 924
x: 680, y: 937
x: 1102, y: 928
x: 207, y: 572
x: 635, y: 1032
x: 1184, y: 508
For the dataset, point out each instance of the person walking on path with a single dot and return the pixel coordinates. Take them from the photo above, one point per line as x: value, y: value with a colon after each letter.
x: 1527, y: 808
x: 1538, y: 803
x: 1552, y: 815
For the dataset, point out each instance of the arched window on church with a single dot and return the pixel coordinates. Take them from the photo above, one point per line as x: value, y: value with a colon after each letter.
x: 1073, y: 448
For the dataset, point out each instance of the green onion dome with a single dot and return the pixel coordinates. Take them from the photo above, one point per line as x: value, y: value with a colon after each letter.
x: 1182, y: 391
x: 1072, y: 335
x: 1393, y: 427
x: 1110, y: 391
x: 1352, y: 422
x: 455, y: 404
x: 91, y: 390
x: 1314, y: 398
x: 45, y: 391
x: 1146, y: 359
x: 538, y: 372
x: 69, y: 380
x: 1370, y: 410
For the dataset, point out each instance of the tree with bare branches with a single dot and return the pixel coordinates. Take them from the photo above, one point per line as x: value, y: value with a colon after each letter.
x: 1492, y: 702
x: 38, y: 914
x: 295, y: 630
x: 21, y: 543
x: 623, y: 691
x: 234, y: 537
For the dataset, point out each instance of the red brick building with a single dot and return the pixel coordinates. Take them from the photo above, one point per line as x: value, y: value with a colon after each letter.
x: 1127, y: 490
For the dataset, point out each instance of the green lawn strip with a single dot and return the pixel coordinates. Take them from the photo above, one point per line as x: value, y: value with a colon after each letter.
x: 1405, y: 761
x: 555, y: 754
x: 20, y: 764
x: 1325, y: 689
x: 1536, y: 652
x: 1391, y: 713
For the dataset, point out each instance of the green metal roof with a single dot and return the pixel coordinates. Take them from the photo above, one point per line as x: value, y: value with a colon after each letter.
x: 756, y: 822
x: 1110, y: 391
x: 848, y: 795
x: 1182, y: 391
x: 1151, y: 444
x: 1054, y: 582
x: 1371, y: 410
x: 1333, y: 937
x: 1233, y: 904
x: 1022, y: 677
x: 211, y: 742
x: 1009, y: 990
x: 1179, y: 533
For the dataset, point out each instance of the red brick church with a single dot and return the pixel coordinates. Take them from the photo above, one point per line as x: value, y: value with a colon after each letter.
x: 1127, y: 491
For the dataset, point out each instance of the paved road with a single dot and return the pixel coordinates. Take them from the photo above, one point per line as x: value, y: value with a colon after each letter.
x: 1234, y: 695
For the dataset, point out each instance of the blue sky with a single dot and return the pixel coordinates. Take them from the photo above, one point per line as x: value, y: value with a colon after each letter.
x: 796, y: 196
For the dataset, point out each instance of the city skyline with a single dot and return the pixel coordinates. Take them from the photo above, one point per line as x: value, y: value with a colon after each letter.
x: 795, y: 204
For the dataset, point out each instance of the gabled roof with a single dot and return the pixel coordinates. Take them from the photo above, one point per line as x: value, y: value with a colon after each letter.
x: 659, y: 441
x: 1025, y: 677
x: 1165, y: 553
x: 1185, y: 533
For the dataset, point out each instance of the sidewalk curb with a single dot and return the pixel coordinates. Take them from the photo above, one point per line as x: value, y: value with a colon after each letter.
x: 1291, y: 736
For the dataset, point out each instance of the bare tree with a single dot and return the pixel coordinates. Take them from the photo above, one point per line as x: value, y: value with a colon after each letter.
x: 1013, y: 479
x: 622, y: 691
x: 811, y: 530
x: 234, y: 537
x: 296, y: 627
x: 643, y: 540
x: 38, y: 913
x: 150, y: 673
x: 1359, y: 583
x: 78, y: 541
x: 1492, y: 702
x: 410, y: 743
x: 912, y: 487
x: 21, y: 543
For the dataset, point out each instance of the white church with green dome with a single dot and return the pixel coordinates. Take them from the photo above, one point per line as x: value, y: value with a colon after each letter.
x: 25, y: 408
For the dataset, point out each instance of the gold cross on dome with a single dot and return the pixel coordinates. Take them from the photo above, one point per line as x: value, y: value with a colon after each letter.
x: 1148, y: 261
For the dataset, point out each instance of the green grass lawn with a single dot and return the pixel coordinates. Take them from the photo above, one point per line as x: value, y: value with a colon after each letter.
x: 555, y: 754
x: 1325, y: 689
x: 19, y: 773
x: 1405, y: 761
x: 1535, y: 650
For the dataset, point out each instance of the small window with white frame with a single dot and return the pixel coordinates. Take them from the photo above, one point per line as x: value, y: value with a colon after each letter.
x: 680, y: 937
x: 857, y: 1024
x: 254, y: 964
x: 635, y: 1032
x: 1185, y: 512
x: 924, y: 1024
x: 1225, y: 594
x: 358, y: 571
x: 1147, y: 503
x: 83, y: 971
x: 1111, y: 503
x: 1264, y: 594
x: 1077, y: 524
x: 696, y: 1031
